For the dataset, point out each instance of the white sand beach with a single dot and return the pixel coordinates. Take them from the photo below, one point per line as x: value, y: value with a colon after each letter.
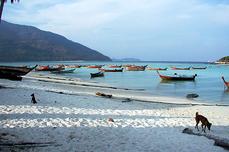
x: 76, y: 120
x: 114, y: 76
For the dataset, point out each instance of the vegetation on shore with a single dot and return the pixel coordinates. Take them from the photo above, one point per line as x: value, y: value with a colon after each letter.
x: 224, y: 60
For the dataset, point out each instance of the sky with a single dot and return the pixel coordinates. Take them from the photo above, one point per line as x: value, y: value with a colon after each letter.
x: 150, y: 30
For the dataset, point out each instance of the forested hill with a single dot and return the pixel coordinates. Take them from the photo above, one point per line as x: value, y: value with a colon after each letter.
x: 224, y: 59
x: 27, y: 43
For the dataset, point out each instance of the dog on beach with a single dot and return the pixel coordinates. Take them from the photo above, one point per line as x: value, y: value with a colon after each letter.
x: 204, y: 121
x: 33, y: 100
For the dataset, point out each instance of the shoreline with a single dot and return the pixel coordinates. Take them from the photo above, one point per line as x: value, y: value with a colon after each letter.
x: 79, y: 87
x: 127, y: 98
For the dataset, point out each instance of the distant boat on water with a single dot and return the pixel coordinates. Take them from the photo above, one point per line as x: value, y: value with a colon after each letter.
x: 72, y: 66
x: 136, y: 68
x: 42, y: 68
x: 94, y: 66
x: 111, y: 70
x: 176, y: 77
x: 98, y: 74
x: 176, y: 68
x: 115, y: 66
x: 149, y: 68
x: 48, y: 68
x: 199, y: 68
x: 13, y: 72
x: 63, y: 71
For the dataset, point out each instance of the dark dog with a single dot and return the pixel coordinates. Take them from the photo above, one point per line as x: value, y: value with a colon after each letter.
x: 33, y: 100
x: 204, y: 121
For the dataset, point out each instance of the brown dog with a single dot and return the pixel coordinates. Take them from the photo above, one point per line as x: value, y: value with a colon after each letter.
x: 204, y: 121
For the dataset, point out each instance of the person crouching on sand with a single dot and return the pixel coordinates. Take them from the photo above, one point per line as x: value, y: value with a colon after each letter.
x: 33, y: 100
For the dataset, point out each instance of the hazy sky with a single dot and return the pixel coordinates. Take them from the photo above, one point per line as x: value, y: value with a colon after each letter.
x: 184, y: 30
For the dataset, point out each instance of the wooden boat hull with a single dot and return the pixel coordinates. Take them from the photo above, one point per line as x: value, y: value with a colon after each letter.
x: 63, y: 71
x: 48, y: 68
x: 72, y: 66
x: 175, y: 68
x: 14, y: 73
x: 42, y: 68
x: 111, y: 70
x: 98, y: 74
x: 199, y: 68
x: 136, y: 68
x: 177, y: 78
x: 115, y: 66
x: 94, y: 66
x: 9, y: 76
x: 157, y: 69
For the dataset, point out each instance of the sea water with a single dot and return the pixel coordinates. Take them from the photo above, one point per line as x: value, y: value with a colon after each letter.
x: 208, y: 83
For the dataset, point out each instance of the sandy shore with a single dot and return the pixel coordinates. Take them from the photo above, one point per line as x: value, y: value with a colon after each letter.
x: 79, y: 87
x: 79, y: 122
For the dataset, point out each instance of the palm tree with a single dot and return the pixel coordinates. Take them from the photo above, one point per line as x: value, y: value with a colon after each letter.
x: 2, y: 5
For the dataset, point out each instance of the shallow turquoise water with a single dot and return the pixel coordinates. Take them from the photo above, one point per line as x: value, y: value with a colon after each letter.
x: 208, y: 84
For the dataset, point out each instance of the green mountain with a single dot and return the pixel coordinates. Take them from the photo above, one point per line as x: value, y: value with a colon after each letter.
x: 224, y: 59
x: 27, y: 43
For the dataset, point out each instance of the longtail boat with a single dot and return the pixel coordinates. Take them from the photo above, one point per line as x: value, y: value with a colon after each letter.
x: 72, y: 66
x: 176, y: 68
x: 111, y: 70
x: 176, y: 77
x: 13, y: 72
x: 199, y: 68
x: 158, y: 69
x: 56, y: 68
x: 94, y: 66
x: 136, y: 68
x: 115, y: 66
x: 48, y: 68
x: 63, y: 71
x: 225, y: 82
x: 98, y: 74
x: 127, y: 65
x: 42, y: 68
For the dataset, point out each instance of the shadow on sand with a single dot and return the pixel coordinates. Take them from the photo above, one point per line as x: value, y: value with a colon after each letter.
x: 110, y: 139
